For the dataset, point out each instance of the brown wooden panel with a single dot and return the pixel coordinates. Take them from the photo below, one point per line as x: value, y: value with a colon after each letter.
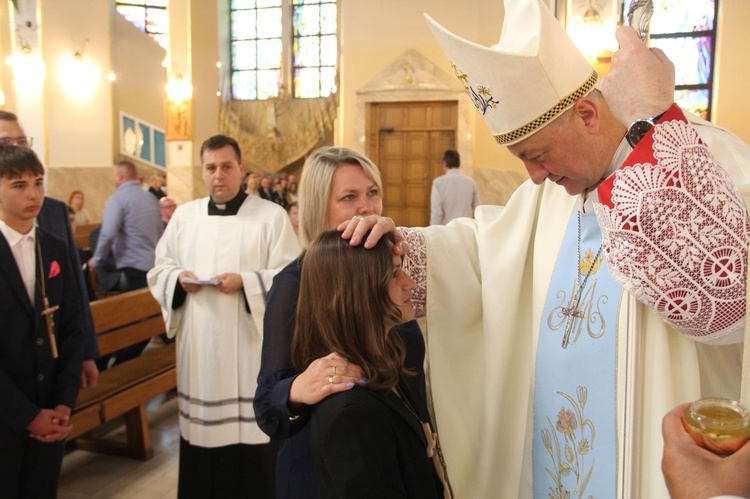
x: 82, y: 233
x: 391, y: 117
x: 122, y: 402
x: 116, y: 339
x: 128, y: 374
x: 417, y: 117
x: 85, y: 419
x: 417, y: 169
x: 414, y: 217
x: 392, y: 143
x: 417, y: 196
x: 85, y: 229
x: 138, y: 434
x: 123, y: 309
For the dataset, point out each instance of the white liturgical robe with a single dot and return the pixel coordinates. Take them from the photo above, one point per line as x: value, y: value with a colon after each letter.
x: 218, y: 341
x: 486, y: 282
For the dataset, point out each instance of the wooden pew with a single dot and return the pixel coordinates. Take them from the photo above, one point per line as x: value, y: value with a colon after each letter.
x: 123, y: 390
x: 81, y: 235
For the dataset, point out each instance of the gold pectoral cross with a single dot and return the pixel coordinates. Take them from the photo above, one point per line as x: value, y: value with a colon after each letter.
x: 573, y: 312
x: 47, y: 313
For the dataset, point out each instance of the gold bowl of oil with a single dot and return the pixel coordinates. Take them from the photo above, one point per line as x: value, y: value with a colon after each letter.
x: 717, y: 424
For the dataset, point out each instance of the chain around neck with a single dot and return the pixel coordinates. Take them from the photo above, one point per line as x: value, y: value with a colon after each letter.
x: 578, y: 261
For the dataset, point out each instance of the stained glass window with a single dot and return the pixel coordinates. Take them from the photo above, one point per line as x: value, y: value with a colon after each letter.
x: 260, y: 46
x: 149, y: 16
x: 315, y: 48
x: 256, y: 48
x: 686, y: 31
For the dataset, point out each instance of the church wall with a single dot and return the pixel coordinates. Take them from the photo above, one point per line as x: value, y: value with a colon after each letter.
x: 78, y: 130
x: 82, y: 130
x: 204, y: 41
x: 140, y: 87
x: 732, y: 106
x: 78, y: 123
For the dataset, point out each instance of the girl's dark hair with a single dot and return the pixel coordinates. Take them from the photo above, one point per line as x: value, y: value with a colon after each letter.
x: 344, y: 305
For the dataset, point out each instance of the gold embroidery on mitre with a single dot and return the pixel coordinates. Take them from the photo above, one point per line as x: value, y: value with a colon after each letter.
x: 461, y: 76
x: 483, y: 100
x: 552, y: 113
x: 589, y: 261
x: 482, y: 97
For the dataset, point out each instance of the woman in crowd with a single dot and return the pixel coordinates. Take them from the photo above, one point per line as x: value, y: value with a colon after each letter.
x: 252, y: 186
x: 337, y: 184
x: 291, y: 192
x: 374, y: 440
x: 75, y: 201
x: 279, y: 187
x: 293, y: 210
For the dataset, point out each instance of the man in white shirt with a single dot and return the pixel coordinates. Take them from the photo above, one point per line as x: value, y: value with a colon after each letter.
x: 454, y: 195
x: 42, y: 334
x: 53, y: 218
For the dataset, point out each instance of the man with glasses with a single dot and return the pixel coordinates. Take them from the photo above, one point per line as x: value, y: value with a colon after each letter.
x: 17, y: 141
x: 53, y: 218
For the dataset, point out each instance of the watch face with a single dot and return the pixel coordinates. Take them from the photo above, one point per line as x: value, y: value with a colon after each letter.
x: 638, y: 130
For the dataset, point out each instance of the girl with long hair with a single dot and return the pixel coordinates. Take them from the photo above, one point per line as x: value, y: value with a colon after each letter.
x: 375, y: 439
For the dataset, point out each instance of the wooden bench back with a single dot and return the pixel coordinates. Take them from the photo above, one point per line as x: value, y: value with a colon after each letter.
x: 126, y: 319
x: 82, y: 233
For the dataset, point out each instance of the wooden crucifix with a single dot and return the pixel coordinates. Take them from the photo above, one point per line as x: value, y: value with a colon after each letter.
x: 47, y: 313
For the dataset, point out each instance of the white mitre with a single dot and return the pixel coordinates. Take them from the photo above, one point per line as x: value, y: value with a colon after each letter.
x: 530, y: 77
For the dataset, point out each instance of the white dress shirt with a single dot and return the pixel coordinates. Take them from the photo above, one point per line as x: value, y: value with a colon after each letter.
x: 22, y: 246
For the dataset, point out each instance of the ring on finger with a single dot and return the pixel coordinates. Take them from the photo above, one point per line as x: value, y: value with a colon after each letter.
x: 330, y: 379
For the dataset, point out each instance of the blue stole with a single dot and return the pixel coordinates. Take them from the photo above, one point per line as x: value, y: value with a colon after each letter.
x: 575, y: 441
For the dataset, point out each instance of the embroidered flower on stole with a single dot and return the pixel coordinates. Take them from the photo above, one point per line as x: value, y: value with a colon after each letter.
x: 568, y: 443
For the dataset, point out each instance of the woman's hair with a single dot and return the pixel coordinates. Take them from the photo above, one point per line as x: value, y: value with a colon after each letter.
x: 315, y: 186
x: 343, y: 307
x: 73, y: 194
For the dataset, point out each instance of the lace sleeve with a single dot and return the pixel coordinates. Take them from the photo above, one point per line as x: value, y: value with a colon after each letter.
x: 676, y: 232
x: 415, y: 264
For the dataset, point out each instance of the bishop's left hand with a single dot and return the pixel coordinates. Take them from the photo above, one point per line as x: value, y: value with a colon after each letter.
x: 640, y: 81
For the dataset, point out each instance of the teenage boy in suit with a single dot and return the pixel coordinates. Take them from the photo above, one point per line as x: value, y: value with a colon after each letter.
x: 41, y: 340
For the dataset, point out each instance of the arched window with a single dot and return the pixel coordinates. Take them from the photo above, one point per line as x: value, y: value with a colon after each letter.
x: 267, y: 33
x: 149, y: 16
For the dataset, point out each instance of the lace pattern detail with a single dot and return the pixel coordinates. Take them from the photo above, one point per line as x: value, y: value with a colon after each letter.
x: 415, y: 264
x: 677, y: 235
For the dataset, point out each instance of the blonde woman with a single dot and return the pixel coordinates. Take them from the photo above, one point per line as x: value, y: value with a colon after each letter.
x: 337, y: 184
